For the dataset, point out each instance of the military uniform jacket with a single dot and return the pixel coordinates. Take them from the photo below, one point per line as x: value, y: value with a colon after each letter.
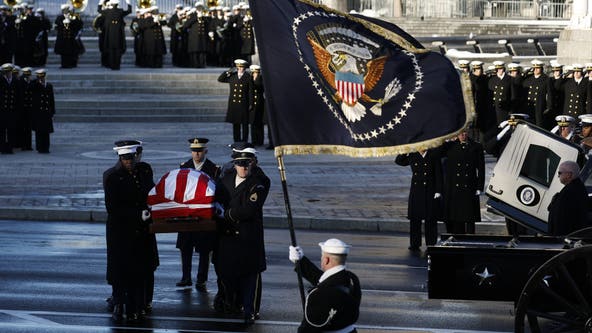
x: 241, y: 248
x: 426, y: 180
x: 10, y: 102
x: 131, y: 249
x: 538, y: 98
x: 197, y: 31
x: 66, y: 42
x: 114, y: 28
x: 464, y: 175
x: 43, y: 107
x: 152, y: 37
x: 502, y: 96
x: 574, y: 96
x: 176, y: 43
x: 257, y: 110
x: 332, y: 304
x: 203, y: 240
x: 568, y: 209
x: 239, y: 98
x: 482, y: 98
x: 247, y: 36
x: 7, y: 35
x: 26, y: 45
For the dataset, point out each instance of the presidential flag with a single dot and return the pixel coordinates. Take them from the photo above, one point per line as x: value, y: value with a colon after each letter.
x: 346, y: 84
x: 183, y: 193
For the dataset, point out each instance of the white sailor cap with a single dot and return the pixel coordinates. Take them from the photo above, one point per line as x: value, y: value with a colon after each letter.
x: 64, y: 6
x: 498, y: 64
x: 513, y: 66
x: 236, y: 7
x: 16, y: 69
x: 199, y: 4
x: 7, y: 67
x: 27, y: 70
x: 41, y: 72
x: 40, y: 10
x: 240, y: 63
x: 463, y: 63
x: 334, y: 246
x: 588, y: 66
x: 586, y: 119
x: 477, y: 64
x: 178, y: 6
x: 255, y: 68
x: 577, y: 67
x: 564, y: 120
x: 125, y: 150
x: 113, y: 2
x: 536, y: 63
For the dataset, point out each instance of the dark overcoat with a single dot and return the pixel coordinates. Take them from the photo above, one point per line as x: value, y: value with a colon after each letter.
x: 568, y: 209
x: 538, y: 98
x: 241, y: 248
x: 114, y: 28
x: 66, y: 42
x: 152, y: 37
x: 43, y: 107
x: 131, y: 249
x: 502, y: 96
x: 574, y: 96
x: 426, y: 180
x: 483, y: 102
x: 257, y: 110
x: 339, y: 292
x: 239, y: 97
x: 197, y: 33
x: 464, y: 176
x: 10, y: 102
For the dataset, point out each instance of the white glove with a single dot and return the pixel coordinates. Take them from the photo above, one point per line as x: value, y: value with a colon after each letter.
x: 155, y: 19
x: 211, y: 34
x: 127, y: 2
x: 477, y: 192
x: 437, y: 195
x: 296, y: 253
x: 145, y: 215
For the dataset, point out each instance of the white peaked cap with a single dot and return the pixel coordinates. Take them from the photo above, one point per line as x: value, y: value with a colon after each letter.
x: 334, y: 246
x: 131, y: 149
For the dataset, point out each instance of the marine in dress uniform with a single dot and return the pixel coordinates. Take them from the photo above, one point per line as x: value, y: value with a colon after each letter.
x: 333, y: 304
x: 113, y: 30
x: 257, y: 109
x: 538, y: 94
x: 132, y: 254
x: 238, y: 99
x: 43, y: 111
x: 68, y: 43
x: 482, y: 98
x: 202, y: 241
x: 153, y: 46
x: 240, y: 256
x: 575, y: 91
x: 464, y: 180
x: 500, y: 85
x: 197, y: 25
x: 425, y: 195
x: 10, y: 109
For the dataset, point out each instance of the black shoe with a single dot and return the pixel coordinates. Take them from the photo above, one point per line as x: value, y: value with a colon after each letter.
x: 201, y: 287
x: 184, y: 283
x: 249, y: 319
x: 117, y: 312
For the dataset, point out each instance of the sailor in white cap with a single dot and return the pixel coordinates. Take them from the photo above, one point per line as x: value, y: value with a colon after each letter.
x: 43, y: 111
x: 333, y: 305
x: 258, y: 103
x: 126, y: 191
x: 463, y: 65
x: 501, y: 86
x: 585, y: 136
x: 565, y: 127
x: 537, y: 92
x: 113, y: 33
x: 241, y: 250
x: 10, y: 90
x: 237, y: 113
x: 575, y: 91
x: 479, y: 85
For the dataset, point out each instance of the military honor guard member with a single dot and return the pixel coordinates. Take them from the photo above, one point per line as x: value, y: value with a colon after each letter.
x: 482, y: 98
x: 585, y: 137
x: 26, y: 131
x: 132, y: 255
x: 41, y: 40
x: 425, y: 195
x: 538, y: 95
x: 464, y: 180
x: 557, y: 96
x: 464, y: 66
x: 565, y: 127
x: 43, y: 111
x: 68, y: 43
x: 10, y: 109
x: 238, y: 100
x: 500, y: 85
x: 202, y: 242
x: 113, y: 31
x: 257, y: 108
x: 333, y: 304
x: 575, y: 92
x: 240, y: 256
x: 197, y: 25
x: 152, y: 47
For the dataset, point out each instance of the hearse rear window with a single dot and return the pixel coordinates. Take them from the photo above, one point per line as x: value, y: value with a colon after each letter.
x: 540, y: 165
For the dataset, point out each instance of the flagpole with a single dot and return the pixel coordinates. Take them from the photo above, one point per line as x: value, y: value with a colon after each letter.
x: 290, y: 223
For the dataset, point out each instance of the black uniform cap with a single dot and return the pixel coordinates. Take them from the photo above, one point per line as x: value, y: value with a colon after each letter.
x: 197, y: 144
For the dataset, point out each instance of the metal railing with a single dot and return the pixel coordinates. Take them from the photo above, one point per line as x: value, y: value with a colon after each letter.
x: 527, y: 9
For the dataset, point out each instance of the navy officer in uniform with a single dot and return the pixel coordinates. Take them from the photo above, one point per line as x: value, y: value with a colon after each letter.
x: 238, y: 100
x: 333, y: 304
x: 240, y: 256
x: 202, y: 241
x: 565, y: 127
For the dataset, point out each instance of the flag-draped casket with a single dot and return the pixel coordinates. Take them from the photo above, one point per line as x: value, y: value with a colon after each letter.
x: 183, y: 193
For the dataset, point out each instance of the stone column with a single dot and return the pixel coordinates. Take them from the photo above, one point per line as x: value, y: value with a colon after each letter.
x: 574, y: 41
x: 340, y: 5
x: 397, y: 8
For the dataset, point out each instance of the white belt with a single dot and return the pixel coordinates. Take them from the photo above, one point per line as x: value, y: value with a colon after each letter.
x: 347, y: 329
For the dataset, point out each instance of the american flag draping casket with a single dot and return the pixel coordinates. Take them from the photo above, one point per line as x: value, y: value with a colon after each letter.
x: 183, y: 193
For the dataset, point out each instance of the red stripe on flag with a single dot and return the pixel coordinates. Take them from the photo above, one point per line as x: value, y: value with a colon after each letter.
x: 181, y: 184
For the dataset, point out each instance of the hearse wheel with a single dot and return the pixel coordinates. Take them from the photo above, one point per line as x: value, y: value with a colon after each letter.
x: 558, y: 296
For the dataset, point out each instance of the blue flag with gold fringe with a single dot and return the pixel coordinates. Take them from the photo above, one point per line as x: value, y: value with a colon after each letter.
x: 346, y: 84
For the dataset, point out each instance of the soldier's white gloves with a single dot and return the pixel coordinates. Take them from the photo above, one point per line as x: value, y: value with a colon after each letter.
x: 155, y: 18
x: 296, y: 253
x: 145, y: 215
x: 477, y: 192
x: 127, y: 2
x: 437, y: 195
x: 211, y: 34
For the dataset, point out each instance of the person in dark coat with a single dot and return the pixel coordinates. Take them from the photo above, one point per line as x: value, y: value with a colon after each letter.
x: 333, y: 304
x: 10, y: 109
x: 238, y: 99
x: 137, y: 34
x: 153, y: 46
x: 464, y: 180
x: 575, y: 92
x: 7, y: 35
x: 43, y: 111
x: 28, y: 28
x: 175, y: 24
x: 257, y: 108
x: 114, y: 32
x: 568, y: 209
x: 132, y: 255
x: 538, y: 94
x: 247, y: 36
x: 41, y: 40
x: 500, y: 85
x: 27, y: 84
x: 202, y: 242
x: 97, y: 25
x: 425, y: 195
x: 197, y: 25
x: 68, y: 43
x: 556, y: 103
x: 240, y: 255
x: 482, y: 98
